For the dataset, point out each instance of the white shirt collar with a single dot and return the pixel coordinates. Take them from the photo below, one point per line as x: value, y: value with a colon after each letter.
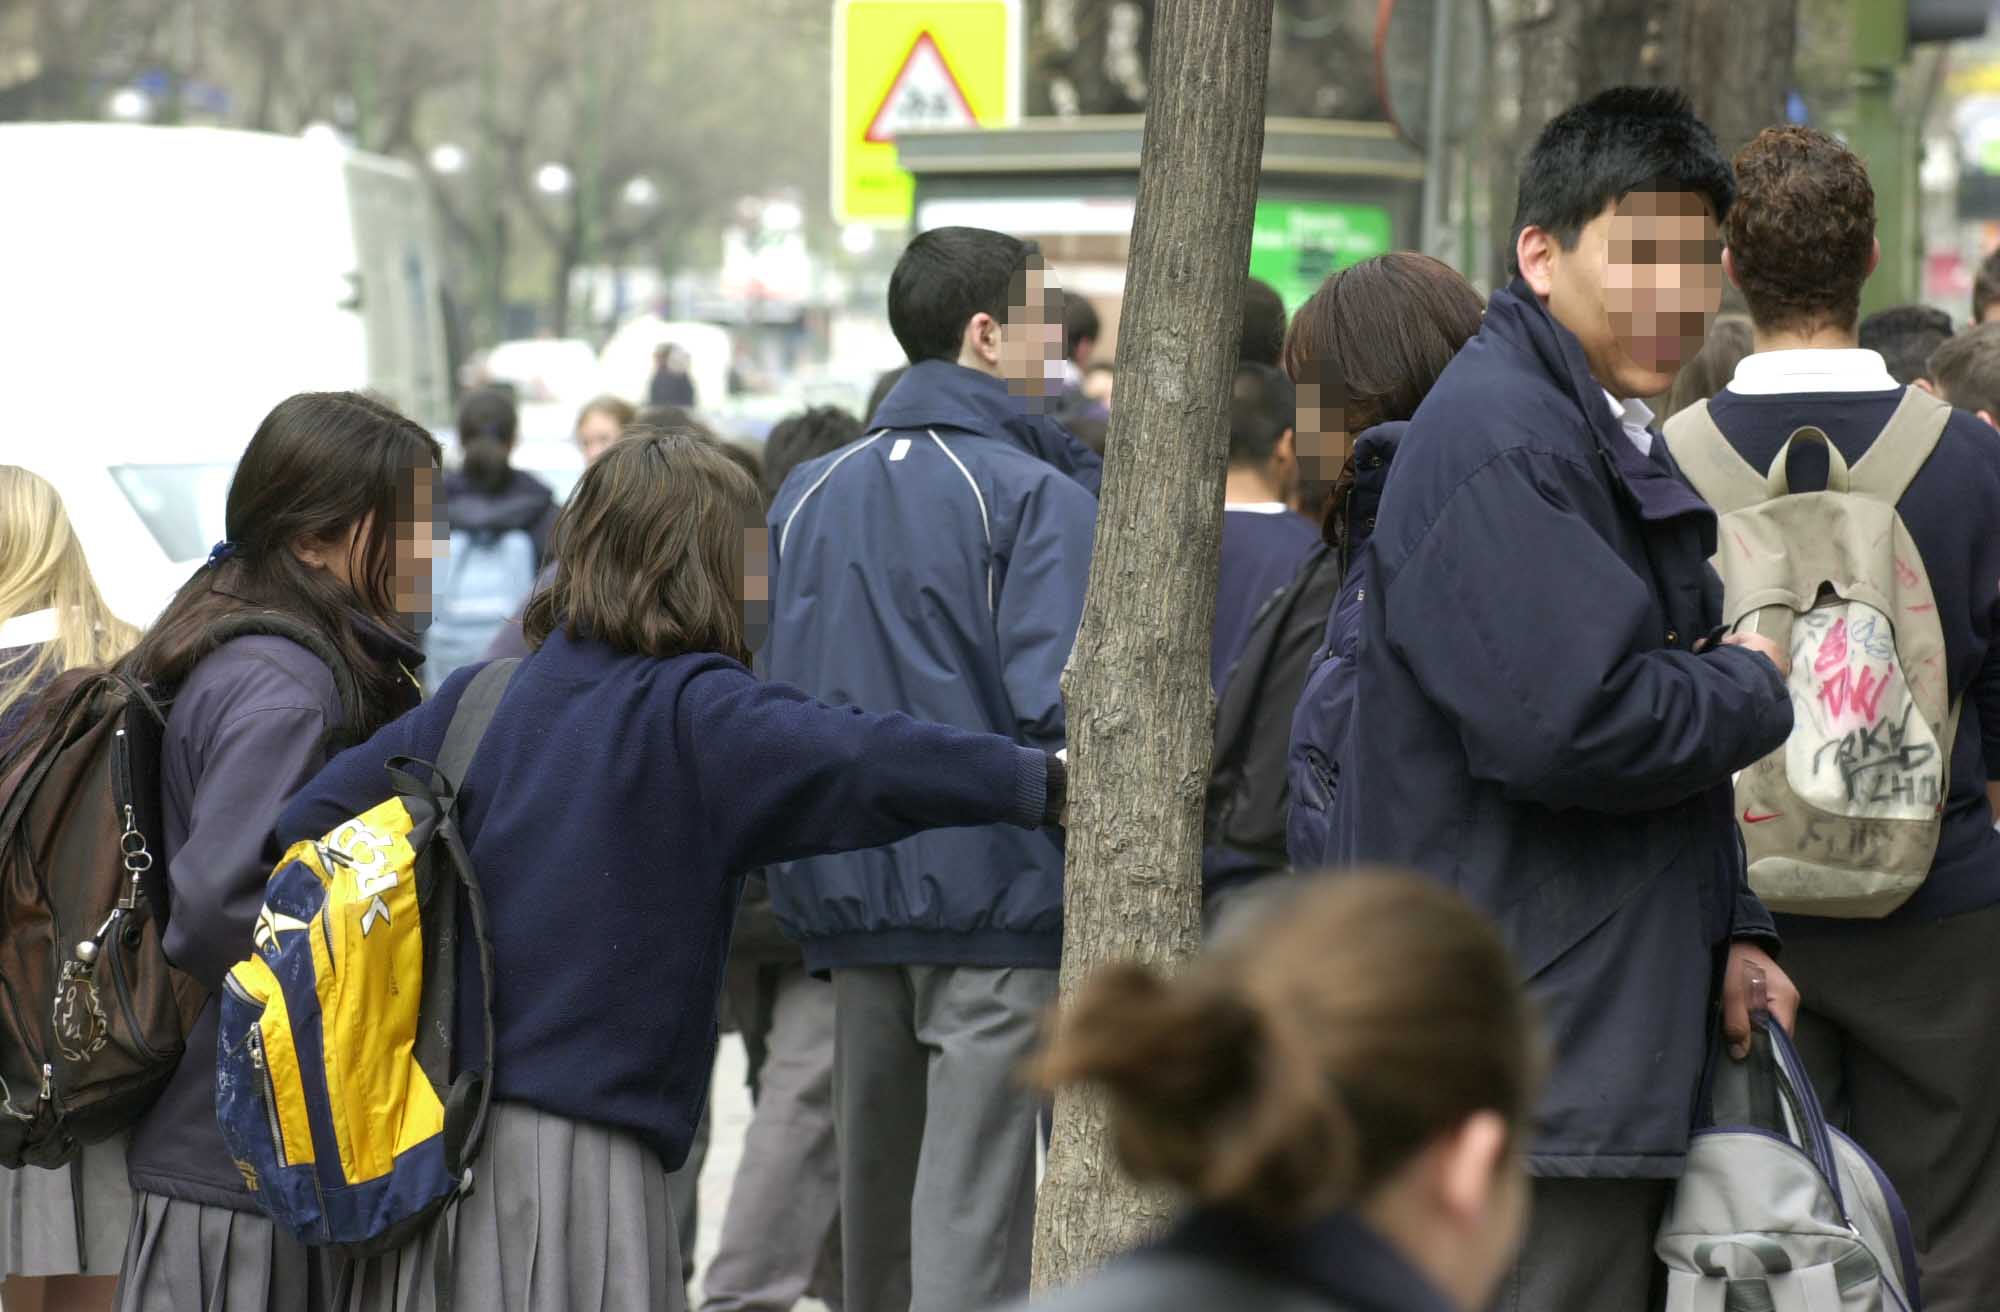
x: 1782, y: 373
x: 1636, y: 418
x: 1258, y: 507
x: 28, y: 629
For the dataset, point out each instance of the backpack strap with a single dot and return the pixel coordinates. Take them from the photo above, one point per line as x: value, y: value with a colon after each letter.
x: 1723, y: 478
x: 470, y: 1096
x: 468, y: 722
x: 1905, y: 443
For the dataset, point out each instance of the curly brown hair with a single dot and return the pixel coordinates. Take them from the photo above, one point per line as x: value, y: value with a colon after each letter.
x: 1802, y: 231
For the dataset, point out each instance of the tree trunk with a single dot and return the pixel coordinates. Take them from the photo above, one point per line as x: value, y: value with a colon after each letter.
x: 1734, y: 60
x: 1140, y: 709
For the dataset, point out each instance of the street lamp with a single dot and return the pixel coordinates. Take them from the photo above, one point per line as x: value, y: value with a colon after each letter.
x: 640, y: 193
x: 783, y: 216
x: 130, y: 105
x: 447, y: 158
x: 857, y: 238
x: 553, y: 180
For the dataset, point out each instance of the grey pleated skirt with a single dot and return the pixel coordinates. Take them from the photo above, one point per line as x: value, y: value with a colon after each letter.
x: 565, y: 1217
x: 38, y: 1216
x: 188, y: 1257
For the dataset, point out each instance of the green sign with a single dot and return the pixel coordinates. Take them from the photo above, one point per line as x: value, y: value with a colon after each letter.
x: 1295, y: 245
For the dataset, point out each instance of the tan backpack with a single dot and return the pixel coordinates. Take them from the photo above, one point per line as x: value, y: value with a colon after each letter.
x: 1843, y: 820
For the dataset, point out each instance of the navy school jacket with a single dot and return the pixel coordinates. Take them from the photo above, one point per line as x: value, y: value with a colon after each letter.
x: 1325, y: 713
x: 1214, y: 1260
x: 936, y: 567
x: 610, y: 814
x: 1541, y: 734
x: 253, y: 721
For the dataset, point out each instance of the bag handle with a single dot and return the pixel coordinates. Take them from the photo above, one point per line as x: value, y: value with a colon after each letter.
x: 1778, y: 481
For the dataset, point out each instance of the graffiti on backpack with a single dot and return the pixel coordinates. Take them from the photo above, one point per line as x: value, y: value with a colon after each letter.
x: 1881, y: 764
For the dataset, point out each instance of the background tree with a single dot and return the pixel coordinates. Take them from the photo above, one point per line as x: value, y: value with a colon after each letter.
x: 1140, y: 709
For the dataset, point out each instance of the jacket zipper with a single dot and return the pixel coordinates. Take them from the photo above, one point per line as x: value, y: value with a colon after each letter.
x: 266, y: 1087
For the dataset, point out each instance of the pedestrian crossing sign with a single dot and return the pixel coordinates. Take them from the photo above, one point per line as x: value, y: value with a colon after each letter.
x: 900, y: 65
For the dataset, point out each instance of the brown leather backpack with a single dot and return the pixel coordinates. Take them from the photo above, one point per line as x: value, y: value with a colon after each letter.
x: 93, y: 1019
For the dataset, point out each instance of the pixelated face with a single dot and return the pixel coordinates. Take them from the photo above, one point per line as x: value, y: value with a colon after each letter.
x: 420, y: 541
x: 596, y: 432
x: 1031, y: 338
x: 1322, y: 436
x: 1641, y: 288
x: 756, y: 594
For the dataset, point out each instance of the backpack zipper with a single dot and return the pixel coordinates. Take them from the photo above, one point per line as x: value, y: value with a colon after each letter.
x: 125, y: 1008
x: 266, y: 1088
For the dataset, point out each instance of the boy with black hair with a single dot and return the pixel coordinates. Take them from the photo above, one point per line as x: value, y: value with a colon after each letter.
x: 1263, y: 334
x: 1897, y: 1020
x: 1262, y: 540
x: 1551, y: 727
x: 1080, y: 329
x: 1905, y: 336
x: 937, y: 567
x: 1966, y: 371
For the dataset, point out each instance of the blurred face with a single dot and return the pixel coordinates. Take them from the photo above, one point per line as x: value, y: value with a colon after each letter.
x: 1031, y: 340
x: 1459, y: 1210
x: 1323, y: 436
x: 756, y: 594
x: 1638, y: 290
x: 420, y: 542
x: 595, y: 434
x: 1026, y: 350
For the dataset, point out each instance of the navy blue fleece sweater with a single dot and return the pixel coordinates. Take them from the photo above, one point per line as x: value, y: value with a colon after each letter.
x: 1952, y: 509
x: 611, y: 812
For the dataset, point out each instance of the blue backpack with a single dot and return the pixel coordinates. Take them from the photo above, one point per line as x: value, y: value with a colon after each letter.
x: 486, y: 582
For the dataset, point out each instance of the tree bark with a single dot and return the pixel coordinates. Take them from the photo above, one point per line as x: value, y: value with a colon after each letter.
x: 1734, y: 60
x: 1140, y: 709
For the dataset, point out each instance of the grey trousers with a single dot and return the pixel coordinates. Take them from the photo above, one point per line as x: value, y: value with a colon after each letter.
x: 785, y: 1200
x: 936, y: 1134
x: 1900, y: 1029
x: 1590, y: 1249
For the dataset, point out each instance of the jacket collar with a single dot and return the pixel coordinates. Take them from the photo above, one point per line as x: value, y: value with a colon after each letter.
x: 1338, y: 1257
x: 940, y: 394
x: 1521, y: 325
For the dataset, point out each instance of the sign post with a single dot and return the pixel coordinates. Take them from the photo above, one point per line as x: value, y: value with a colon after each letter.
x: 900, y: 65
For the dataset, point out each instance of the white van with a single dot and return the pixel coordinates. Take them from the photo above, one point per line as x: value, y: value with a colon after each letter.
x: 165, y: 287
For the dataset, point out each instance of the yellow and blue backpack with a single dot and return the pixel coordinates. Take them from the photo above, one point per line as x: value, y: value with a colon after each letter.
x: 334, y: 1090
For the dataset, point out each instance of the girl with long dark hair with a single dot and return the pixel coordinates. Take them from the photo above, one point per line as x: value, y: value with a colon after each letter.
x: 291, y: 642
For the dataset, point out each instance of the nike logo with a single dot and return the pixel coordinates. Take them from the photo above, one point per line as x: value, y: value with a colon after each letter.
x: 1749, y: 819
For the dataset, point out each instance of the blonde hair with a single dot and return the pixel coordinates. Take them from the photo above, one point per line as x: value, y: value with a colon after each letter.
x: 42, y: 567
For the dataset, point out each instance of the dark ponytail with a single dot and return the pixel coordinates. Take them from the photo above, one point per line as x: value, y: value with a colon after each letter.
x: 1291, y: 1073
x: 488, y: 422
